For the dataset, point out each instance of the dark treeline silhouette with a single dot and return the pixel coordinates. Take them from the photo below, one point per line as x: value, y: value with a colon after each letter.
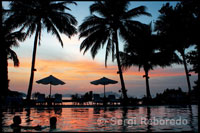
x: 192, y: 59
x: 193, y: 7
x: 173, y: 26
x: 171, y: 96
x: 143, y: 50
x: 179, y: 27
x: 176, y: 29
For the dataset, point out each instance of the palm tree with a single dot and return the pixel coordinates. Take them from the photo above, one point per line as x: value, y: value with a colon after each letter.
x: 35, y: 15
x: 173, y: 25
x: 3, y: 77
x: 109, y: 20
x: 10, y: 39
x: 193, y: 8
x: 142, y: 50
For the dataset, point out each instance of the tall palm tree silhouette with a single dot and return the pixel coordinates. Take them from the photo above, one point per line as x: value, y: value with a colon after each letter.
x: 173, y: 25
x: 193, y: 8
x: 34, y: 15
x: 109, y: 20
x: 10, y: 39
x: 3, y: 59
x: 142, y: 50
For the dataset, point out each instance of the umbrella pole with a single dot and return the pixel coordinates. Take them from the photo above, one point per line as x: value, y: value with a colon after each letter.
x: 50, y: 92
x: 104, y: 91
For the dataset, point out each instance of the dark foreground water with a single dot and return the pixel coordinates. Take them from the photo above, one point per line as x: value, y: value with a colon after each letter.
x: 132, y: 119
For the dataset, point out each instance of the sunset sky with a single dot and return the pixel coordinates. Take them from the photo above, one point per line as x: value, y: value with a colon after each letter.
x: 78, y: 70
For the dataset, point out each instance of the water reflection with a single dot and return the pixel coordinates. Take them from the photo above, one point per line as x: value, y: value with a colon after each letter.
x: 13, y: 110
x: 1, y: 120
x: 191, y: 117
x: 124, y: 118
x: 80, y: 112
x: 28, y: 113
x: 149, y: 119
x: 96, y: 110
x: 86, y: 119
x: 58, y: 110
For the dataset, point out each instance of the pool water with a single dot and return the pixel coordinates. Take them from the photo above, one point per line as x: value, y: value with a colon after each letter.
x: 132, y: 119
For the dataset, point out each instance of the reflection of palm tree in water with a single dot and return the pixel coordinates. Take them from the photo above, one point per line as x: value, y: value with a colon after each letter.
x: 1, y: 120
x: 191, y: 118
x: 124, y: 118
x: 28, y: 112
x: 149, y: 119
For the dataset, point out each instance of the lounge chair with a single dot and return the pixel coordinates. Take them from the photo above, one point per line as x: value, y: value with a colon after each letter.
x: 85, y: 99
x: 112, y: 100
x: 14, y: 101
x: 58, y: 99
x: 75, y: 99
x: 97, y: 99
x: 41, y: 99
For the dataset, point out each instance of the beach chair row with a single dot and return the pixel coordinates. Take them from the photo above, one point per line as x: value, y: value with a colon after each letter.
x: 42, y: 100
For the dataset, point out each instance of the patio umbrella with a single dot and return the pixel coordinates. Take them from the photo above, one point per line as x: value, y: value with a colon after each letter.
x: 50, y: 80
x: 104, y: 81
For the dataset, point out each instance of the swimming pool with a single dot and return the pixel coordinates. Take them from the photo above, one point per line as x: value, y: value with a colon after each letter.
x: 140, y: 119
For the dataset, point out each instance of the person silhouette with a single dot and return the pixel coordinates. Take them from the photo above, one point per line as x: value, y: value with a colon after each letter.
x: 17, y: 127
x: 16, y: 124
x: 53, y: 121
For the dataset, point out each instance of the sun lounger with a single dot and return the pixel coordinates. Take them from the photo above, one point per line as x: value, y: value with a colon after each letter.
x: 97, y: 99
x: 58, y: 99
x: 113, y: 100
x: 14, y: 101
x: 41, y: 99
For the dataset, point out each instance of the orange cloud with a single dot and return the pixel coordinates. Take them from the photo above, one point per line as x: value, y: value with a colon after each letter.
x: 77, y: 75
x: 82, y: 69
x: 69, y: 70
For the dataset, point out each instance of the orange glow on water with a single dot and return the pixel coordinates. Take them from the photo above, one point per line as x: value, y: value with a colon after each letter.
x: 112, y: 118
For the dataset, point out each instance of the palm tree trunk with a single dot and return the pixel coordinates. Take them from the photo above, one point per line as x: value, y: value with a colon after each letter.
x: 1, y: 77
x: 147, y: 83
x: 186, y: 71
x: 33, y: 65
x: 3, y: 72
x: 120, y: 69
x: 3, y: 61
x: 198, y: 69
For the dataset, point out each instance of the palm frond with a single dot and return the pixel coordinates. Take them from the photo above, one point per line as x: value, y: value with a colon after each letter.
x: 135, y: 12
x: 113, y: 51
x: 108, y: 49
x: 89, y: 31
x: 61, y: 5
x: 52, y: 28
x: 90, y: 22
x: 12, y: 55
x: 98, y: 7
x: 125, y: 60
x: 96, y: 38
